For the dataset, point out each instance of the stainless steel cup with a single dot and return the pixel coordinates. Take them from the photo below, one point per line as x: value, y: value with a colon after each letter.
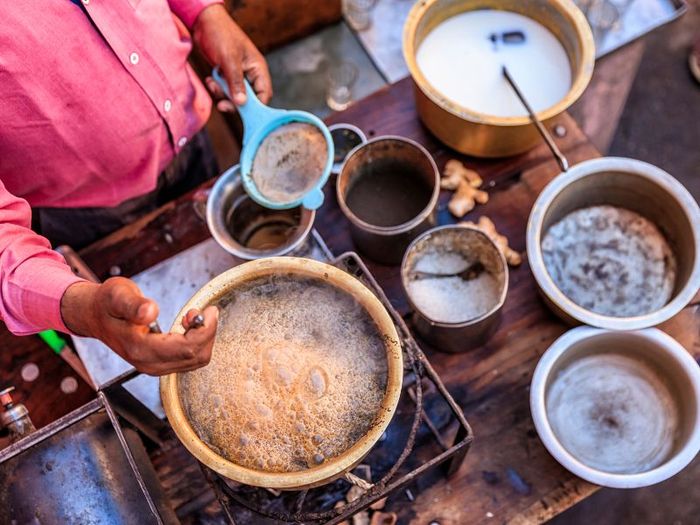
x: 387, y: 244
x: 248, y: 230
x: 475, y: 244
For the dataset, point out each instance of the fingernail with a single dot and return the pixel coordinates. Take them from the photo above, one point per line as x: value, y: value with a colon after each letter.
x: 239, y: 98
x: 143, y: 310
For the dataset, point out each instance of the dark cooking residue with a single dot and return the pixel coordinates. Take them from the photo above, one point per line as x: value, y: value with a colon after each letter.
x: 611, y: 261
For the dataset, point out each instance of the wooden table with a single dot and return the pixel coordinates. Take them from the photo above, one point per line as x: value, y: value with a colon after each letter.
x: 508, y: 477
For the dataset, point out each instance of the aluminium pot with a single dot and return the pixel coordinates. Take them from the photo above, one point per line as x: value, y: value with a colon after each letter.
x: 636, y: 186
x: 237, y: 222
x: 456, y: 337
x: 332, y: 468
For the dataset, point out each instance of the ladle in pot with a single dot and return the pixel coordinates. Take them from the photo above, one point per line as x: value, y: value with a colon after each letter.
x: 561, y: 159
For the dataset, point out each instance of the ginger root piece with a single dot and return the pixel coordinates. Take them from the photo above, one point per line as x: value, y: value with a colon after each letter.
x: 378, y: 505
x: 487, y: 226
x: 455, y: 169
x: 457, y: 177
x: 465, y: 198
x: 339, y: 504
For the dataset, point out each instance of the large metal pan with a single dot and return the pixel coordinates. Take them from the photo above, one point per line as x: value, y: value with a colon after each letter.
x: 332, y: 468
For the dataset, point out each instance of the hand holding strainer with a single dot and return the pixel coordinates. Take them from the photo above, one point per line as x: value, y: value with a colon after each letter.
x: 287, y: 155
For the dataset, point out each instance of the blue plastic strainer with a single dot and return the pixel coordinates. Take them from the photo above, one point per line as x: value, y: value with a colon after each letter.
x: 259, y: 121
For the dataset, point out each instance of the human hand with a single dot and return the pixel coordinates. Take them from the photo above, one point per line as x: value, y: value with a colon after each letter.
x: 224, y: 44
x: 116, y: 313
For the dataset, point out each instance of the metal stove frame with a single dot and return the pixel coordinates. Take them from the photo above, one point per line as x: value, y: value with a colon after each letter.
x: 417, y: 369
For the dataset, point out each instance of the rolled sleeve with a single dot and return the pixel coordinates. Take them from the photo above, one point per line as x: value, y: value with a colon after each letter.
x: 37, y: 294
x: 188, y: 10
x: 33, y: 278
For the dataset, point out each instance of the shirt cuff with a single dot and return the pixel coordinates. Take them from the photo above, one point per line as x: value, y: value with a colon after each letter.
x: 42, y: 299
x: 188, y: 10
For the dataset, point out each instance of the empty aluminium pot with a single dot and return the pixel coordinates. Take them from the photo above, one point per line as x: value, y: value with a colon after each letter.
x: 467, y: 130
x: 248, y: 230
x: 633, y: 185
x: 474, y: 246
x: 618, y: 409
x: 221, y: 288
x: 388, y: 189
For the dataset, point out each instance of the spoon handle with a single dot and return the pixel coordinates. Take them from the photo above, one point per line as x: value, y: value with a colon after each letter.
x: 561, y: 159
x: 469, y: 273
x: 430, y: 275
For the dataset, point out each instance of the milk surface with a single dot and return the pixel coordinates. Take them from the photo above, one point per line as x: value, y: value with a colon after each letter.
x: 614, y: 412
x: 460, y: 60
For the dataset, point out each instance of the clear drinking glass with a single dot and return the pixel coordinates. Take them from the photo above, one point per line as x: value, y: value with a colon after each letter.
x: 603, y: 15
x: 358, y: 13
x: 341, y: 78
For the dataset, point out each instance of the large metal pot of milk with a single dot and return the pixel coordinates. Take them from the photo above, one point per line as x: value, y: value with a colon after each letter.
x: 305, y: 375
x: 455, y: 51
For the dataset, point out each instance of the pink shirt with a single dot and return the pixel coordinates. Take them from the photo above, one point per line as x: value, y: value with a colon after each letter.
x: 95, y: 100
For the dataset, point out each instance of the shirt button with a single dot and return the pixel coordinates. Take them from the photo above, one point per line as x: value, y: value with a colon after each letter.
x: 182, y: 142
x: 167, y: 105
x: 85, y: 2
x: 134, y: 58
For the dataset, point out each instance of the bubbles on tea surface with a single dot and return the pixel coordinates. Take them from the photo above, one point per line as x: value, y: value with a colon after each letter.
x: 298, y: 373
x: 317, y: 382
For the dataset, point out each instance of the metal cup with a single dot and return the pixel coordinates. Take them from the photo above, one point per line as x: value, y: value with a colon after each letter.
x: 387, y: 244
x: 460, y: 239
x: 248, y: 230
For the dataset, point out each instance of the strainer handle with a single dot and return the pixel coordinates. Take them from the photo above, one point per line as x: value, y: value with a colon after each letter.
x: 254, y: 113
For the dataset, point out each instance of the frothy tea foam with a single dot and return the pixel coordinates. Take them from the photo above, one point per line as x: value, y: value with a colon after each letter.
x: 297, y: 375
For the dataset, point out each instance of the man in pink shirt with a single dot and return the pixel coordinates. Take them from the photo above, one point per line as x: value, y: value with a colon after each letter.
x: 100, y: 112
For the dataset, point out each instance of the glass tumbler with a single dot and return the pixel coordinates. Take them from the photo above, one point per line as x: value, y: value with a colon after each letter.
x: 358, y: 13
x: 341, y: 78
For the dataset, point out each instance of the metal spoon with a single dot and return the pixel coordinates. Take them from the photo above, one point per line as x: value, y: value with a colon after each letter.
x: 197, y: 322
x: 471, y: 272
x: 561, y: 159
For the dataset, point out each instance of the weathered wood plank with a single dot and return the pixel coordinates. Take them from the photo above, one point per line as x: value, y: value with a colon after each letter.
x: 271, y: 23
x: 42, y: 397
x: 508, y: 476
